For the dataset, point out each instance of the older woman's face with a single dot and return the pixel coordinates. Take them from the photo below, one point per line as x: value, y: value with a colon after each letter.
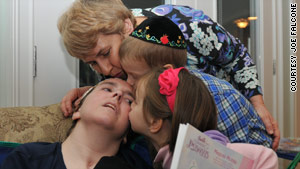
x: 105, y: 58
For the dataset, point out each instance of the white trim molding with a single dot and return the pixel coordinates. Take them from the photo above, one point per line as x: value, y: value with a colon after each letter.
x: 16, y: 53
x: 279, y: 103
x: 25, y: 53
x: 6, y: 53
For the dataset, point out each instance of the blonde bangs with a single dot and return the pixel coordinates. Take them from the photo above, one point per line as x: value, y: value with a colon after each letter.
x: 81, y: 24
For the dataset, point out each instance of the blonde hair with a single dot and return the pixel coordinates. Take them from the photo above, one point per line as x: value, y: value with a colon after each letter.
x: 81, y: 24
x: 193, y: 104
x: 153, y: 54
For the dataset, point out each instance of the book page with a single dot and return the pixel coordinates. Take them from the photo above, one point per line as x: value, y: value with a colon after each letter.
x: 196, y: 150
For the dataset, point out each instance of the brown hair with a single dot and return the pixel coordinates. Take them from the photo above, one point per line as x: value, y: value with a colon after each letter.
x: 153, y: 54
x: 194, y: 103
x: 81, y: 24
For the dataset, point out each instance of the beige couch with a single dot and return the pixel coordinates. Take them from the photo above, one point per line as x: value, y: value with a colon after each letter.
x: 31, y: 124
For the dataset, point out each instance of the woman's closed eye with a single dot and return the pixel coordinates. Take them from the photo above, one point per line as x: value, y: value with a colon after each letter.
x: 107, y: 53
x: 92, y: 63
x: 107, y: 89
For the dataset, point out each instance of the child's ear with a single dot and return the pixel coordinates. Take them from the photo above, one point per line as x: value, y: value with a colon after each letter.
x: 155, y: 125
x: 128, y: 28
x: 76, y: 115
x: 168, y: 66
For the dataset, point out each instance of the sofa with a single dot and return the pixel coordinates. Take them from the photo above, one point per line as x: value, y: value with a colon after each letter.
x: 32, y: 124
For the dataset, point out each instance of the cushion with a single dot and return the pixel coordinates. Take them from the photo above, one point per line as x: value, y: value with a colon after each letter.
x: 31, y: 124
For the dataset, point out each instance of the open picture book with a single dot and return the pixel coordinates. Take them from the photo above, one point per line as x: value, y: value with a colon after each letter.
x: 195, y: 150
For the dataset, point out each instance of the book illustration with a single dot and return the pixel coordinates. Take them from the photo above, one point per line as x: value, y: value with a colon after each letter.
x: 193, y: 165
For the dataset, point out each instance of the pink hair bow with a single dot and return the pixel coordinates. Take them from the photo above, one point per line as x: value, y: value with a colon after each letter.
x: 168, y: 82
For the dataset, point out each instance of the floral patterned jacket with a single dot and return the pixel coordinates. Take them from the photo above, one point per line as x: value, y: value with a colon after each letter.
x: 211, y: 48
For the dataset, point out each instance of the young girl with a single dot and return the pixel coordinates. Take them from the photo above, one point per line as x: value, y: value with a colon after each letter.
x: 164, y: 99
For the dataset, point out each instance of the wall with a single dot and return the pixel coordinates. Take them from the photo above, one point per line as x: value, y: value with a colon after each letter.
x: 288, y: 96
x: 56, y: 70
x: 290, y: 100
x: 6, y: 53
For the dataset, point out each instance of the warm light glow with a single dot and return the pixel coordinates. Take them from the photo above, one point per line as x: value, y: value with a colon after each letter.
x: 250, y: 18
x: 241, y: 23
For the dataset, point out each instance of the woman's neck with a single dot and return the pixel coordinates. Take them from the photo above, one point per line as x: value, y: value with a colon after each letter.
x: 85, y: 148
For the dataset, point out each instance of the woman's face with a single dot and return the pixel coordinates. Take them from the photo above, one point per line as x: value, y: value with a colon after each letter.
x: 108, y: 106
x: 105, y: 58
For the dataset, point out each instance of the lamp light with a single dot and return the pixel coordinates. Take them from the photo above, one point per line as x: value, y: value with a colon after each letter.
x: 242, y: 23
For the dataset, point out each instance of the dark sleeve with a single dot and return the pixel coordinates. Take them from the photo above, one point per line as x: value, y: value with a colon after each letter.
x: 233, y: 58
x: 15, y: 160
x: 213, y: 44
x: 35, y: 156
